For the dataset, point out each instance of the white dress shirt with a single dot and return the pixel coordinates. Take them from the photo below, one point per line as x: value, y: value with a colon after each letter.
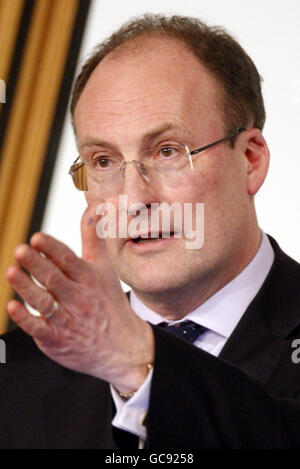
x: 220, y: 314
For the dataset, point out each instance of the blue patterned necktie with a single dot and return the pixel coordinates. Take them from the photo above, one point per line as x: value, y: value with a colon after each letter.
x: 187, y: 330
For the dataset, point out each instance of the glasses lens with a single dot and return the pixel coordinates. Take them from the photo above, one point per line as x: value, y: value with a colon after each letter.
x: 78, y: 173
x: 163, y: 165
x: 105, y: 177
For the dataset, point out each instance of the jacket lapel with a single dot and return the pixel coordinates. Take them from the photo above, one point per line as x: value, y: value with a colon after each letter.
x: 260, y: 338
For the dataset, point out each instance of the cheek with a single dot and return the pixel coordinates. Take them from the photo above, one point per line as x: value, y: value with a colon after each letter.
x: 93, y: 198
x: 112, y: 249
x: 89, y: 197
x: 218, y: 194
x: 198, y: 187
x: 92, y: 185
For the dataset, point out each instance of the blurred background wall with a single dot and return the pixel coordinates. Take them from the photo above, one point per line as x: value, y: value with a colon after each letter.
x: 43, y: 43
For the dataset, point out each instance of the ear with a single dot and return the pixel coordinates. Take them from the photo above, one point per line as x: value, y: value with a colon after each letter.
x: 258, y: 157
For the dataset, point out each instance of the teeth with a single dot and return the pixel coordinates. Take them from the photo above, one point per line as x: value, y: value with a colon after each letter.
x: 140, y: 239
x: 145, y: 240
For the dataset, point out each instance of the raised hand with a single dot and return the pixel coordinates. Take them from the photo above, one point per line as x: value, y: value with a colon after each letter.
x: 93, y: 329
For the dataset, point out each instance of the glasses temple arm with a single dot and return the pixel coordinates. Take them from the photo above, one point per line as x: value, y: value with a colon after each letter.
x: 237, y: 132
x: 78, y: 165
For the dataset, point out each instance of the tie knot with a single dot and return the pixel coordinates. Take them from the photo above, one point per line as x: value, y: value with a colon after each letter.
x: 187, y: 330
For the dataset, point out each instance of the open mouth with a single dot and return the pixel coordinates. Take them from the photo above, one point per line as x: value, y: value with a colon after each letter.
x: 140, y: 240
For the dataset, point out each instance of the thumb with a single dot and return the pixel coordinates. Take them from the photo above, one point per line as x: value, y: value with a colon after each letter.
x: 93, y: 247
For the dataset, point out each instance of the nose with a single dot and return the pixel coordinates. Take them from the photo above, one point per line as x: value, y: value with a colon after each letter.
x: 140, y: 167
x: 137, y: 185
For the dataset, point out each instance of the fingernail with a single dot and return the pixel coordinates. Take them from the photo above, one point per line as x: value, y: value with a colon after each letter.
x: 21, y: 251
x: 37, y: 238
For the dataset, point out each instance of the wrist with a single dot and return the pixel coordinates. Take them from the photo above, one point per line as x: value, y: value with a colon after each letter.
x: 126, y: 395
x: 137, y: 368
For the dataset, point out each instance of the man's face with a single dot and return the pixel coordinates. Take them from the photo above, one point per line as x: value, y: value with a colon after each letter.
x: 127, y: 103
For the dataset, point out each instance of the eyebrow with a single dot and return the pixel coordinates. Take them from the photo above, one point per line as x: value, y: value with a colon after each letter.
x: 149, y: 137
x: 160, y: 131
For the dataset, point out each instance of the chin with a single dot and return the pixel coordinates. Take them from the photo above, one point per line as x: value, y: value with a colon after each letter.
x: 155, y: 282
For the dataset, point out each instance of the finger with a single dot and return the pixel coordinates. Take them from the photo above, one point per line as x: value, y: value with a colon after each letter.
x: 39, y: 299
x: 60, y: 254
x: 34, y: 326
x: 93, y: 248
x: 44, y: 271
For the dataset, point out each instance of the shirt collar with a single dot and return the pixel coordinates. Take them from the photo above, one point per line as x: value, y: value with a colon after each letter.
x: 223, y: 310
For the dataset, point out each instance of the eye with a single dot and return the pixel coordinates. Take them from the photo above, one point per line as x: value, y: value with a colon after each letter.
x: 173, y: 151
x: 166, y: 152
x: 101, y: 162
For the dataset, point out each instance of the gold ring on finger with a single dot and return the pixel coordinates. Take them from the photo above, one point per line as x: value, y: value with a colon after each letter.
x: 53, y: 310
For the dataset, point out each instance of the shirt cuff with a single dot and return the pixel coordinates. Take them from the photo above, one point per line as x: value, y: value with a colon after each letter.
x: 131, y: 414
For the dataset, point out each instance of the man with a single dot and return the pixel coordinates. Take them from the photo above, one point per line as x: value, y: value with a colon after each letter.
x: 157, y: 86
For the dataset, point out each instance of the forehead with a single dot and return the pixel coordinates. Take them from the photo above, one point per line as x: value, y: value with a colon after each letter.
x: 155, y: 78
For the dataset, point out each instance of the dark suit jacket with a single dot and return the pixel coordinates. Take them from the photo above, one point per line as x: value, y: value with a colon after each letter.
x: 249, y: 397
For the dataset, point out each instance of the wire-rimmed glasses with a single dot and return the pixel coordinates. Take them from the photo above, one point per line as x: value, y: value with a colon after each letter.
x: 163, y: 164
